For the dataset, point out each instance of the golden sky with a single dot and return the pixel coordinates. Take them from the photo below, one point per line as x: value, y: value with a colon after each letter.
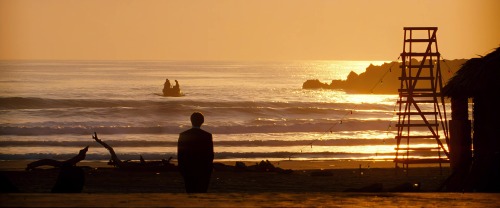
x: 240, y: 30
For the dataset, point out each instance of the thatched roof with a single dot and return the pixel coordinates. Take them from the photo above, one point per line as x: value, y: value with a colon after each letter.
x: 476, y: 76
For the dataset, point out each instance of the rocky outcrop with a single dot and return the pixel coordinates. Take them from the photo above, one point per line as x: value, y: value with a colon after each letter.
x: 381, y: 79
x: 316, y: 84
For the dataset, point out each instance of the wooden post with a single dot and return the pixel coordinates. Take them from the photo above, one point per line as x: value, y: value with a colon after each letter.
x: 460, y: 143
x: 460, y: 134
x: 486, y: 167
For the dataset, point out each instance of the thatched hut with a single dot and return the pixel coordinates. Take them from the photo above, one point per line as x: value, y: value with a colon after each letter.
x: 475, y: 161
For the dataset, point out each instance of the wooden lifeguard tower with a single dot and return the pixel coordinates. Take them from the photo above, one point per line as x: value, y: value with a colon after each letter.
x: 422, y: 113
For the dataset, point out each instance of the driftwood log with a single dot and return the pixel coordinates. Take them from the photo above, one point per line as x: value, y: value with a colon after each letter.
x: 131, y: 165
x: 263, y: 166
x: 55, y: 163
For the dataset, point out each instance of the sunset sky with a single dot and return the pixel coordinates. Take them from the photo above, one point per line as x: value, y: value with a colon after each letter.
x: 240, y: 30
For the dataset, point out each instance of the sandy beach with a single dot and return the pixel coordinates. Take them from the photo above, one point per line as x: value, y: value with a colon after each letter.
x: 253, y: 200
x: 311, y: 183
x: 307, y: 176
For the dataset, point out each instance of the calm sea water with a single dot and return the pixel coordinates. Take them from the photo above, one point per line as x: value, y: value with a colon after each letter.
x: 255, y: 110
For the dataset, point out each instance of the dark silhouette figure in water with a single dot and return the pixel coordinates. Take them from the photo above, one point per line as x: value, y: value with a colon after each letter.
x: 170, y: 91
x: 166, y: 86
x: 195, y: 154
x: 70, y: 180
x: 176, y: 87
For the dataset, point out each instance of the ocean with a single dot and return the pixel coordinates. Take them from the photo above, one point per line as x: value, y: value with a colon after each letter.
x: 255, y: 110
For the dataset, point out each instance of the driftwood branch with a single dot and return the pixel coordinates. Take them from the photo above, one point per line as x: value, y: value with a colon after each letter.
x: 142, y: 164
x: 114, y: 159
x: 55, y: 163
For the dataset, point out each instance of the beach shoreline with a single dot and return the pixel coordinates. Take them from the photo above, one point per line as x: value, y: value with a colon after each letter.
x: 331, y: 183
x: 304, y: 177
x: 16, y: 165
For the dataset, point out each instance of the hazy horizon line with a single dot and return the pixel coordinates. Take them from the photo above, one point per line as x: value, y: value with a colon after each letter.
x: 201, y: 60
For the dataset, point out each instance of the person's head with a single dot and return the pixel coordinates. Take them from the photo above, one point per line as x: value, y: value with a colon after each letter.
x: 197, y: 119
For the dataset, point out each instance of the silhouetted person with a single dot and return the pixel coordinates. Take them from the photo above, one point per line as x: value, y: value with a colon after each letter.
x: 195, y: 154
x: 166, y: 86
x: 176, y: 87
x: 70, y: 180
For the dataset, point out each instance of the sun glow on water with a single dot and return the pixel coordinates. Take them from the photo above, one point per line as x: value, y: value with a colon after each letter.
x: 343, y: 97
x: 357, y: 66
x: 370, y: 98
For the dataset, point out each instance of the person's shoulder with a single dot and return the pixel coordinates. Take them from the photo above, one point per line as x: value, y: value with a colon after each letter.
x: 186, y: 131
x: 195, y: 131
x: 206, y: 132
x: 200, y: 130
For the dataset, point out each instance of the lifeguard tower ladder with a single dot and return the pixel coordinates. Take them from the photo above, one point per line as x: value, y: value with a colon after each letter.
x: 420, y: 115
